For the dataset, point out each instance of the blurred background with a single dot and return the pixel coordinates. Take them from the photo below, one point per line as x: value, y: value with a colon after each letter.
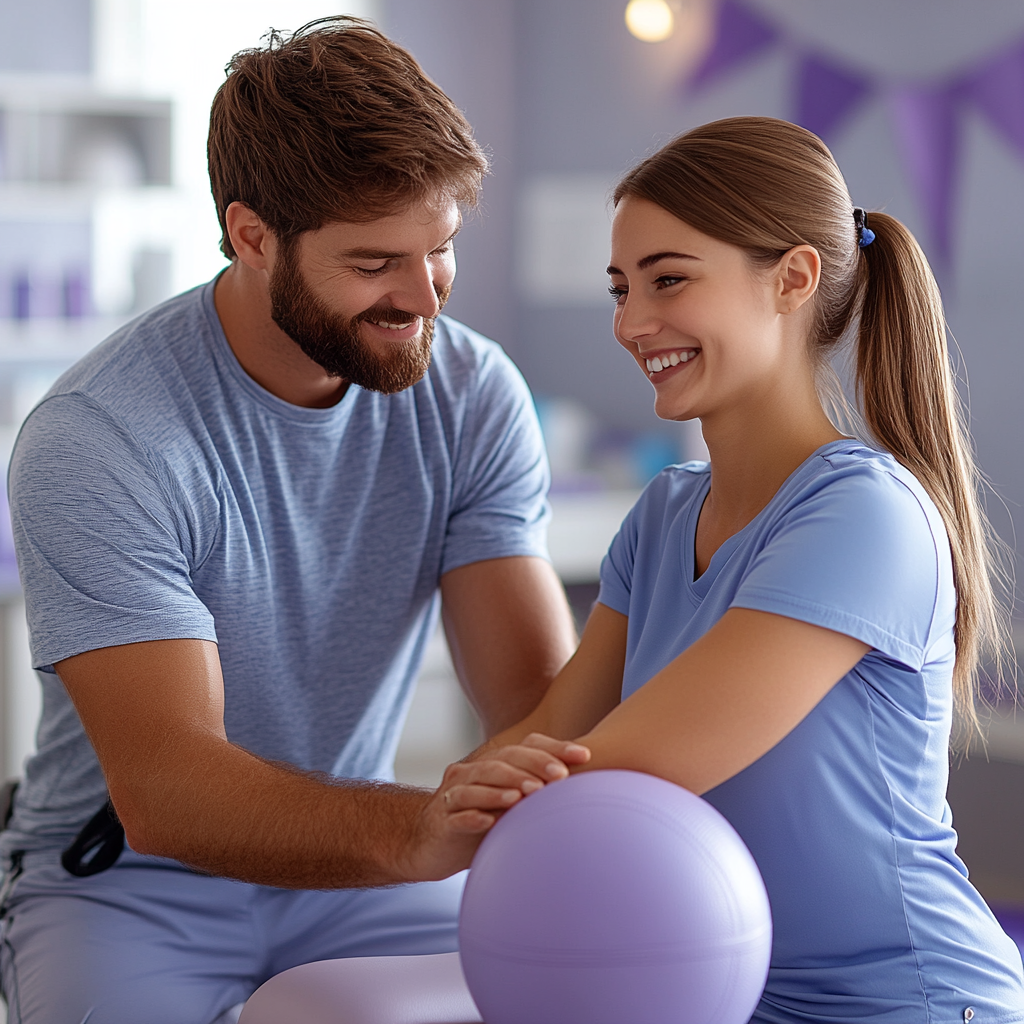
x: 105, y: 211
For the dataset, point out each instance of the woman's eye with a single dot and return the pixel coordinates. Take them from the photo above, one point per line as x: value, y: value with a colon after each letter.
x: 668, y: 280
x: 616, y: 293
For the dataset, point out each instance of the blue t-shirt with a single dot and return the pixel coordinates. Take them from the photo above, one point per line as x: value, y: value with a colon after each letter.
x: 847, y: 816
x: 158, y: 492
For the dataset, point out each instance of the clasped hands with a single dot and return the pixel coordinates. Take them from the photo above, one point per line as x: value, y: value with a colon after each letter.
x: 474, y: 793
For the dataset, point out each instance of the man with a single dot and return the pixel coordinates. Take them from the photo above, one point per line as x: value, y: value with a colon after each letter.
x: 233, y: 519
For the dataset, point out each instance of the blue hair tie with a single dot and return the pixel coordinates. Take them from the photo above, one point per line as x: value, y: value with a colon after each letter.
x: 865, y: 236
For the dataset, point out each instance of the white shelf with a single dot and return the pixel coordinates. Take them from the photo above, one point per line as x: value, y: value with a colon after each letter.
x: 52, y: 125
x: 60, y: 201
x: 78, y: 94
x: 52, y: 340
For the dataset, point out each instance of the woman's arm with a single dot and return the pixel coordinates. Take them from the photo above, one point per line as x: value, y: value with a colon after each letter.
x: 718, y: 707
x: 725, y: 701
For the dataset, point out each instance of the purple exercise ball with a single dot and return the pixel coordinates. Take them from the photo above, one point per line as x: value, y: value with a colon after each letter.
x: 614, y: 897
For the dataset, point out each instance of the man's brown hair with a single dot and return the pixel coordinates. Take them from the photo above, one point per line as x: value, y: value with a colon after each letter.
x: 335, y: 122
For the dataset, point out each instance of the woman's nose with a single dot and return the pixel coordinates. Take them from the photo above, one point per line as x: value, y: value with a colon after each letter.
x: 632, y: 321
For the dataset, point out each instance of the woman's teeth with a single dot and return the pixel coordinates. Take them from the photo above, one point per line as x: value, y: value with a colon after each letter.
x: 659, y: 363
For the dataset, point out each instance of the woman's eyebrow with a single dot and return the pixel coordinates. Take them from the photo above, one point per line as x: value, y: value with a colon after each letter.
x: 649, y: 261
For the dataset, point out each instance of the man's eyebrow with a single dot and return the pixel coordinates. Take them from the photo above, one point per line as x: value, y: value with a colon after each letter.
x: 367, y: 253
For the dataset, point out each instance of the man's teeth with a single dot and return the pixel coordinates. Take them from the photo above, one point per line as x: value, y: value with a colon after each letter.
x: 393, y: 327
x: 659, y: 363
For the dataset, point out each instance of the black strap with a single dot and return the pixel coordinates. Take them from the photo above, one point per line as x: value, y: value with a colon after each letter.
x: 7, y: 791
x: 11, y: 875
x: 97, y: 846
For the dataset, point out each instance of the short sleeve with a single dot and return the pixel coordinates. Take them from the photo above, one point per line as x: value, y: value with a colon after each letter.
x: 105, y: 548
x: 857, y: 553
x: 500, y: 472
x: 617, y: 566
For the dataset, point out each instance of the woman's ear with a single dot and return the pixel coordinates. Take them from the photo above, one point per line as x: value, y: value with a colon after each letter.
x: 797, y: 277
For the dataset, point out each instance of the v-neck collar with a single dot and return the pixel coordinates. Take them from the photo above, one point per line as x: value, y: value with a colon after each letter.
x: 700, y: 586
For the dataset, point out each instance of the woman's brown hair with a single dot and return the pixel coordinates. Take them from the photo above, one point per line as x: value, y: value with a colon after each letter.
x: 765, y: 186
x: 335, y: 122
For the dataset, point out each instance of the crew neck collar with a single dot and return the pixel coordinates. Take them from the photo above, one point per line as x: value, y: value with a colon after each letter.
x: 225, y: 357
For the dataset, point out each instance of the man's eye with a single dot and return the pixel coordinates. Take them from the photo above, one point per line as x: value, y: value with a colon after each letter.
x: 372, y: 271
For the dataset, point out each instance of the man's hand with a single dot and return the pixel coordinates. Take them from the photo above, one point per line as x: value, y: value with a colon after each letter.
x: 474, y: 794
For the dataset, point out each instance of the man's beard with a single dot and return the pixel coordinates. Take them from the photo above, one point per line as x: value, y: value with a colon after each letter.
x: 333, y: 341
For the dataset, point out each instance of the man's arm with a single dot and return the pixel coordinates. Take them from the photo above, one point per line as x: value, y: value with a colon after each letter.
x: 154, y: 714
x: 510, y: 631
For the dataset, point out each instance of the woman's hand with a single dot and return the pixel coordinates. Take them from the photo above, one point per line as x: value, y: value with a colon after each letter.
x: 474, y: 794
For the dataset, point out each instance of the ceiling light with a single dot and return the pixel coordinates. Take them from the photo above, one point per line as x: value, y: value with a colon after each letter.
x: 649, y: 20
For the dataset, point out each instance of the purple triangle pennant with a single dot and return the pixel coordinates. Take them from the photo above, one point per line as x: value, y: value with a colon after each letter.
x: 740, y: 35
x: 997, y: 89
x: 926, y: 116
x: 827, y: 94
x: 928, y: 135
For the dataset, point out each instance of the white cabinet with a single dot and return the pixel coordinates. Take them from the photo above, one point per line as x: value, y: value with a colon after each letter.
x: 85, y: 181
x: 72, y: 158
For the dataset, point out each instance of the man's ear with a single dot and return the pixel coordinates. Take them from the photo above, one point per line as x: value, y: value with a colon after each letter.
x: 797, y: 277
x: 251, y: 239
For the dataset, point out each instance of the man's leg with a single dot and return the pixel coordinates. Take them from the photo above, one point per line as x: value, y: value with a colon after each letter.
x: 300, y: 927
x: 141, y: 943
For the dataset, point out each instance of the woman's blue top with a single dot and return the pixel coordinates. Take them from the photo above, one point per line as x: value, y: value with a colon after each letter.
x: 847, y: 818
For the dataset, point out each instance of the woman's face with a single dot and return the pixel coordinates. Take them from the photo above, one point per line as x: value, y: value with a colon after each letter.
x: 706, y: 328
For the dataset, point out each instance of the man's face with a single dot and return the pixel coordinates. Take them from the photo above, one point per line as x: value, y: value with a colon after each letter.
x: 360, y: 299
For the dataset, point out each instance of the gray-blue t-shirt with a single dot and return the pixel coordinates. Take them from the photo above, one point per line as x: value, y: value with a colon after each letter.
x: 158, y: 492
x: 874, y: 918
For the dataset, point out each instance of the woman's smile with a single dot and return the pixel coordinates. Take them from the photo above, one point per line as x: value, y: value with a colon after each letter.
x: 660, y: 365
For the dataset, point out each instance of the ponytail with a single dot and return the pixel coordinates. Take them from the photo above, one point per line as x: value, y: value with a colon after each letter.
x: 910, y: 404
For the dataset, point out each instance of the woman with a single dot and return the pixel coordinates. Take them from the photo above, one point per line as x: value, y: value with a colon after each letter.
x: 788, y: 629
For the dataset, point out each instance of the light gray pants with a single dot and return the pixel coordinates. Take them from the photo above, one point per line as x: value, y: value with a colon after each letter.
x: 149, y: 942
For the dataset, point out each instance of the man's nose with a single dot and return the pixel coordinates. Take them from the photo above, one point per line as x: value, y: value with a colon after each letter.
x: 419, y: 291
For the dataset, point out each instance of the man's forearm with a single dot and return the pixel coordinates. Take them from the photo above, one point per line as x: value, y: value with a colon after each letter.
x: 510, y: 631
x: 154, y: 713
x: 230, y: 813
